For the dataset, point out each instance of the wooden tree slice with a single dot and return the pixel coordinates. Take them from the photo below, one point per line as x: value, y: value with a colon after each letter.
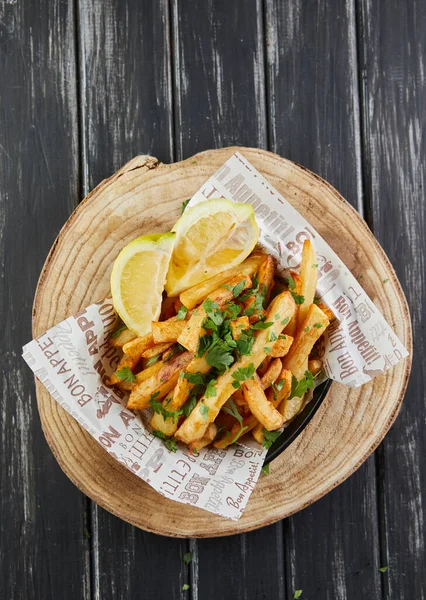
x: 144, y: 197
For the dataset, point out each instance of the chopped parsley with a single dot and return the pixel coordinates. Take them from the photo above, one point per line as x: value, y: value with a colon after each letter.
x: 277, y: 386
x: 318, y: 325
x: 236, y: 289
x: 307, y: 328
x: 182, y: 312
x: 185, y: 204
x: 315, y: 266
x: 166, y: 414
x: 185, y: 587
x: 169, y: 442
x: 242, y: 374
x: 194, y: 378
x: 299, y: 388
x: 272, y: 337
x: 125, y: 374
x: 297, y: 594
x: 292, y: 287
x: 204, y: 411
x: 189, y: 405
x: 383, y: 569
x: 265, y: 469
x: 245, y: 343
x: 285, y: 321
x: 239, y: 434
x: 270, y: 437
x: 122, y: 328
x: 317, y: 301
x: 261, y: 325
x: 151, y: 361
x: 210, y: 389
x: 267, y: 349
x: 232, y: 410
x: 187, y: 558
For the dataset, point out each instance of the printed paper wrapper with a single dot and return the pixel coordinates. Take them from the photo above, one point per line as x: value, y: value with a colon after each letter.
x: 74, y: 359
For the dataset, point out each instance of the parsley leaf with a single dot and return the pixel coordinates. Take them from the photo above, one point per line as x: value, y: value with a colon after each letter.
x: 169, y: 442
x: 318, y: 325
x: 185, y: 587
x: 285, y: 321
x: 239, y: 434
x: 184, y: 205
x: 270, y: 437
x: 242, y: 374
x: 299, y: 388
x: 315, y: 265
x: 307, y: 328
x: 166, y: 414
x: 204, y: 411
x: 261, y: 325
x: 194, y: 378
x: 232, y: 410
x: 317, y: 301
x: 220, y: 356
x: 278, y: 385
x: 151, y: 361
x: 245, y: 343
x: 182, y: 312
x: 265, y: 469
x: 272, y: 337
x: 189, y: 405
x: 267, y: 349
x: 236, y: 289
x: 383, y: 569
x: 291, y: 283
x: 125, y: 374
x: 120, y: 329
x: 297, y: 594
x: 187, y: 558
x: 298, y: 299
x: 231, y: 310
x: 210, y: 389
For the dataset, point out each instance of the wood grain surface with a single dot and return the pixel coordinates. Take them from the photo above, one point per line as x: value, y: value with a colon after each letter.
x: 349, y: 424
x: 86, y: 85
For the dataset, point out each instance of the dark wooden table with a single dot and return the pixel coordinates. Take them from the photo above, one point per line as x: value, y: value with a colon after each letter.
x: 337, y: 85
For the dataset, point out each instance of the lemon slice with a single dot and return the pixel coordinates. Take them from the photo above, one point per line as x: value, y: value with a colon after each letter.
x: 137, y: 280
x: 210, y: 237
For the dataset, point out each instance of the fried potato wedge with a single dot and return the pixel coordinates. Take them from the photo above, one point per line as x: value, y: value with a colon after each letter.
x: 281, y: 347
x: 138, y: 346
x: 122, y: 338
x: 308, y: 280
x: 271, y: 374
x: 167, y: 331
x: 261, y: 408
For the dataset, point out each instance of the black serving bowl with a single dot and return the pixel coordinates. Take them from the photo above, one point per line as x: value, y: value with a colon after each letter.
x: 299, y: 423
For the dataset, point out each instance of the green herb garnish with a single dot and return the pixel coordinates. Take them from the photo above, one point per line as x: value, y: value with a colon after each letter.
x: 242, y: 374
x: 125, y: 374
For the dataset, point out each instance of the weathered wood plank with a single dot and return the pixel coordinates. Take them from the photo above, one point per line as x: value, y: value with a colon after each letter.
x: 392, y: 56
x: 332, y: 547
x: 220, y: 101
x: 127, y: 110
x: 44, y: 549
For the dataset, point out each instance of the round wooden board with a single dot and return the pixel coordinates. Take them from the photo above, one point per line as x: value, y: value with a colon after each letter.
x: 144, y: 197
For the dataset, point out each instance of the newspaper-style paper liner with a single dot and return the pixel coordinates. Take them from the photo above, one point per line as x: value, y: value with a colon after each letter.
x: 74, y: 359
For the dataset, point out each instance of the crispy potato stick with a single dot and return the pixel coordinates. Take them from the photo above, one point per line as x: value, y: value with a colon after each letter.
x: 193, y: 330
x: 141, y: 393
x: 271, y: 374
x: 291, y: 327
x: 149, y: 371
x: 315, y: 366
x: 312, y: 328
x: 264, y: 366
x: 327, y: 311
x: 156, y: 350
x: 281, y: 308
x: 195, y: 295
x: 238, y: 326
x: 291, y: 407
x: 248, y: 424
x: 205, y: 440
x: 281, y: 347
x: 277, y: 398
x: 167, y: 331
x: 125, y: 386
x: 260, y: 406
x: 309, y: 279
x: 238, y: 398
x: 179, y: 396
x: 122, y: 338
x: 265, y: 277
x: 125, y: 361
x: 137, y: 346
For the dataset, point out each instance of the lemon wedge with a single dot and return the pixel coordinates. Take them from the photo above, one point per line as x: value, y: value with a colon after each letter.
x: 137, y: 280
x: 210, y: 237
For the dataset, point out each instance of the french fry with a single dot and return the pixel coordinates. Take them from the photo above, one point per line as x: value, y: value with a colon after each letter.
x: 124, y: 362
x: 312, y: 328
x: 309, y: 279
x: 238, y: 326
x: 271, y: 374
x: 291, y: 327
x: 249, y: 423
x: 195, y: 295
x: 327, y: 311
x: 137, y: 346
x: 169, y: 372
x: 277, y: 398
x: 260, y: 406
x: 315, y: 366
x: 122, y: 338
x: 205, y: 440
x: 265, y: 277
x: 193, y: 330
x: 281, y: 347
x: 167, y: 331
x: 281, y: 308
x: 149, y: 371
x: 263, y: 367
x: 156, y: 350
